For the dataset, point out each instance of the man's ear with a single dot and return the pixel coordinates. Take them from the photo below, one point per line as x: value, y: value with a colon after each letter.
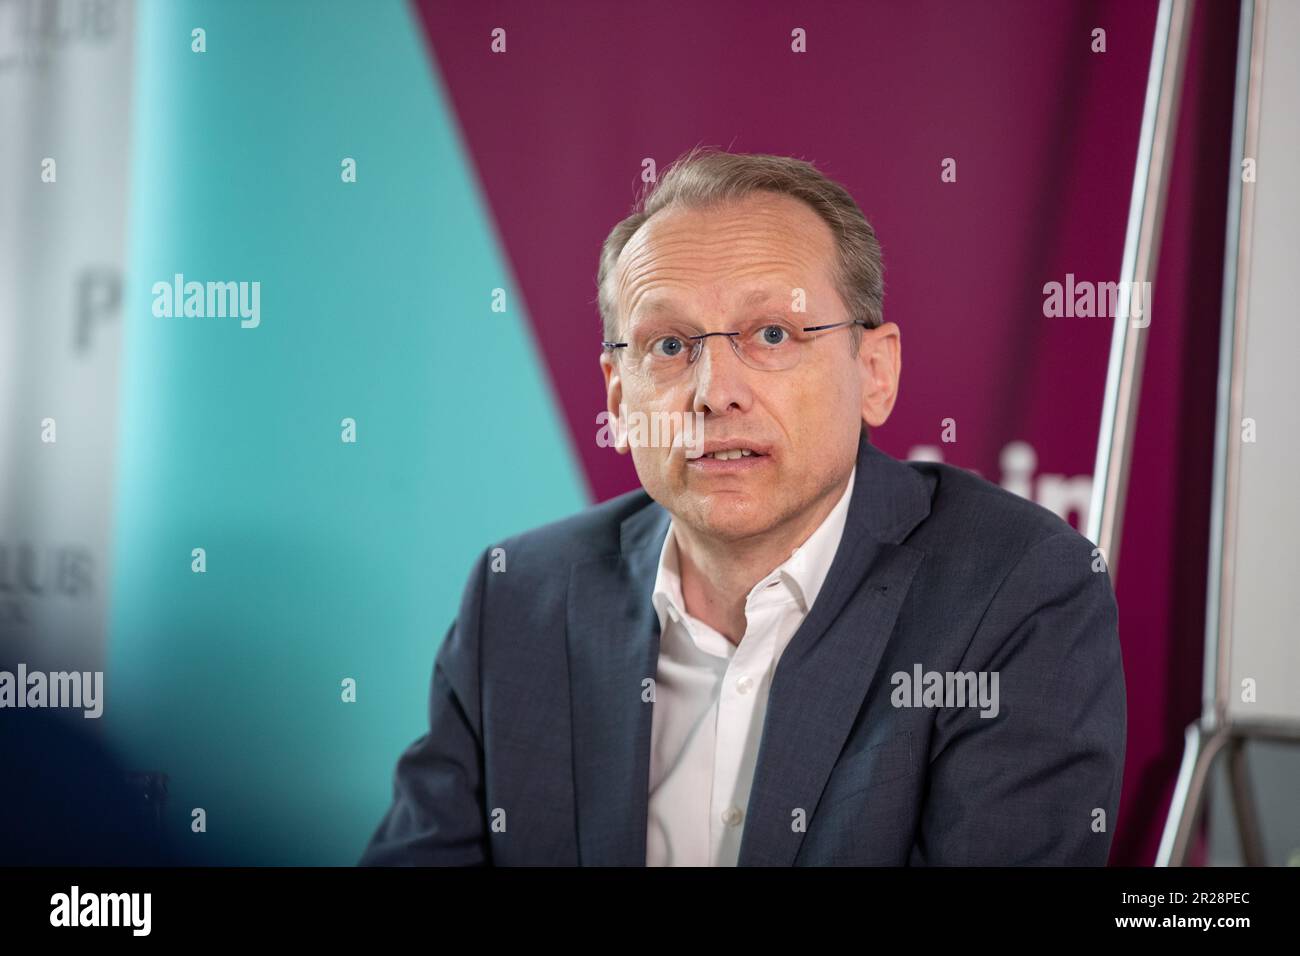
x: 614, y: 401
x: 880, y: 356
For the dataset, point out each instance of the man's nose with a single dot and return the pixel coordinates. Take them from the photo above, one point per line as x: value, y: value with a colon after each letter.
x: 721, y: 378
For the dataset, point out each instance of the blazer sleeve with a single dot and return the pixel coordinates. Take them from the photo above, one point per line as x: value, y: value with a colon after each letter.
x: 438, y: 816
x: 1039, y: 783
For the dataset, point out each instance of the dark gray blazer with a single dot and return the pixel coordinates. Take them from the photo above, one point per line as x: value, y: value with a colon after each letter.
x: 538, y: 744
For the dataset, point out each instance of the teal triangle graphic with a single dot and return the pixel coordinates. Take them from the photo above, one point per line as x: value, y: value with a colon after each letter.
x: 326, y: 560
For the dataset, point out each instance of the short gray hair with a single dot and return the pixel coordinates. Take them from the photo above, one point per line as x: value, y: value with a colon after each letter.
x: 704, y: 177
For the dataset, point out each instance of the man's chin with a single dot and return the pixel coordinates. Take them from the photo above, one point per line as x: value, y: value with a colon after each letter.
x: 728, y: 520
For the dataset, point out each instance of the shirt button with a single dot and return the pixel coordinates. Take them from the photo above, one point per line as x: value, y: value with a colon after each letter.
x: 745, y: 684
x: 732, y: 816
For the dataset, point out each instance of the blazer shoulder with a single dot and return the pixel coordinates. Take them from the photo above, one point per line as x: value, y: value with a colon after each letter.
x: 591, y: 533
x: 971, y: 512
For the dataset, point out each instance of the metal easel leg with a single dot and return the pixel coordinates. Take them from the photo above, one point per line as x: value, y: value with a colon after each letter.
x: 1199, y: 752
x: 1243, y: 803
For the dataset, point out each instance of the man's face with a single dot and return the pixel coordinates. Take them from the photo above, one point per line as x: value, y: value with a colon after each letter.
x: 721, y: 269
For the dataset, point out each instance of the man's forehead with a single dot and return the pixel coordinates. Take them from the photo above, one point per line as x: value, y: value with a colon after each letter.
x: 770, y: 255
x: 785, y: 225
x: 659, y: 303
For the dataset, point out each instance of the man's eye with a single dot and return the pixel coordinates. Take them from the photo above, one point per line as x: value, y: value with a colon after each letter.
x: 773, y: 335
x: 670, y: 346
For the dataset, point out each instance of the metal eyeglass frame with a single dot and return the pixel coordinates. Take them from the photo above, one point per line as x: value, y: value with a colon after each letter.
x: 698, y: 340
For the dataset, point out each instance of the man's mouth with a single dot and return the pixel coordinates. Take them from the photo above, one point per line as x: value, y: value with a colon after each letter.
x: 727, y: 454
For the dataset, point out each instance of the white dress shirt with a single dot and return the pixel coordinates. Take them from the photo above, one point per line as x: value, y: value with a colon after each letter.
x: 711, y: 696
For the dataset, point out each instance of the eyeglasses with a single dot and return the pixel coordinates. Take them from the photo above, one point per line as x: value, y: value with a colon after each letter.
x: 664, y: 353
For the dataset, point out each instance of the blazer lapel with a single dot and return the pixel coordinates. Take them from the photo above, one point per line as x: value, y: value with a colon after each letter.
x: 823, y: 674
x: 613, y: 646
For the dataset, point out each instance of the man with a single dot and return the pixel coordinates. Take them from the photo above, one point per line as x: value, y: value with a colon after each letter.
x: 789, y: 648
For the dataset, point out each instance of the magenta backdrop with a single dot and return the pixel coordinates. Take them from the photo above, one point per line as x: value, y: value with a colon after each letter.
x: 1044, y: 133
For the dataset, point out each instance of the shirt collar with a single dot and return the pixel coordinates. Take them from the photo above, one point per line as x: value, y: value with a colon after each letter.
x: 803, y: 572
